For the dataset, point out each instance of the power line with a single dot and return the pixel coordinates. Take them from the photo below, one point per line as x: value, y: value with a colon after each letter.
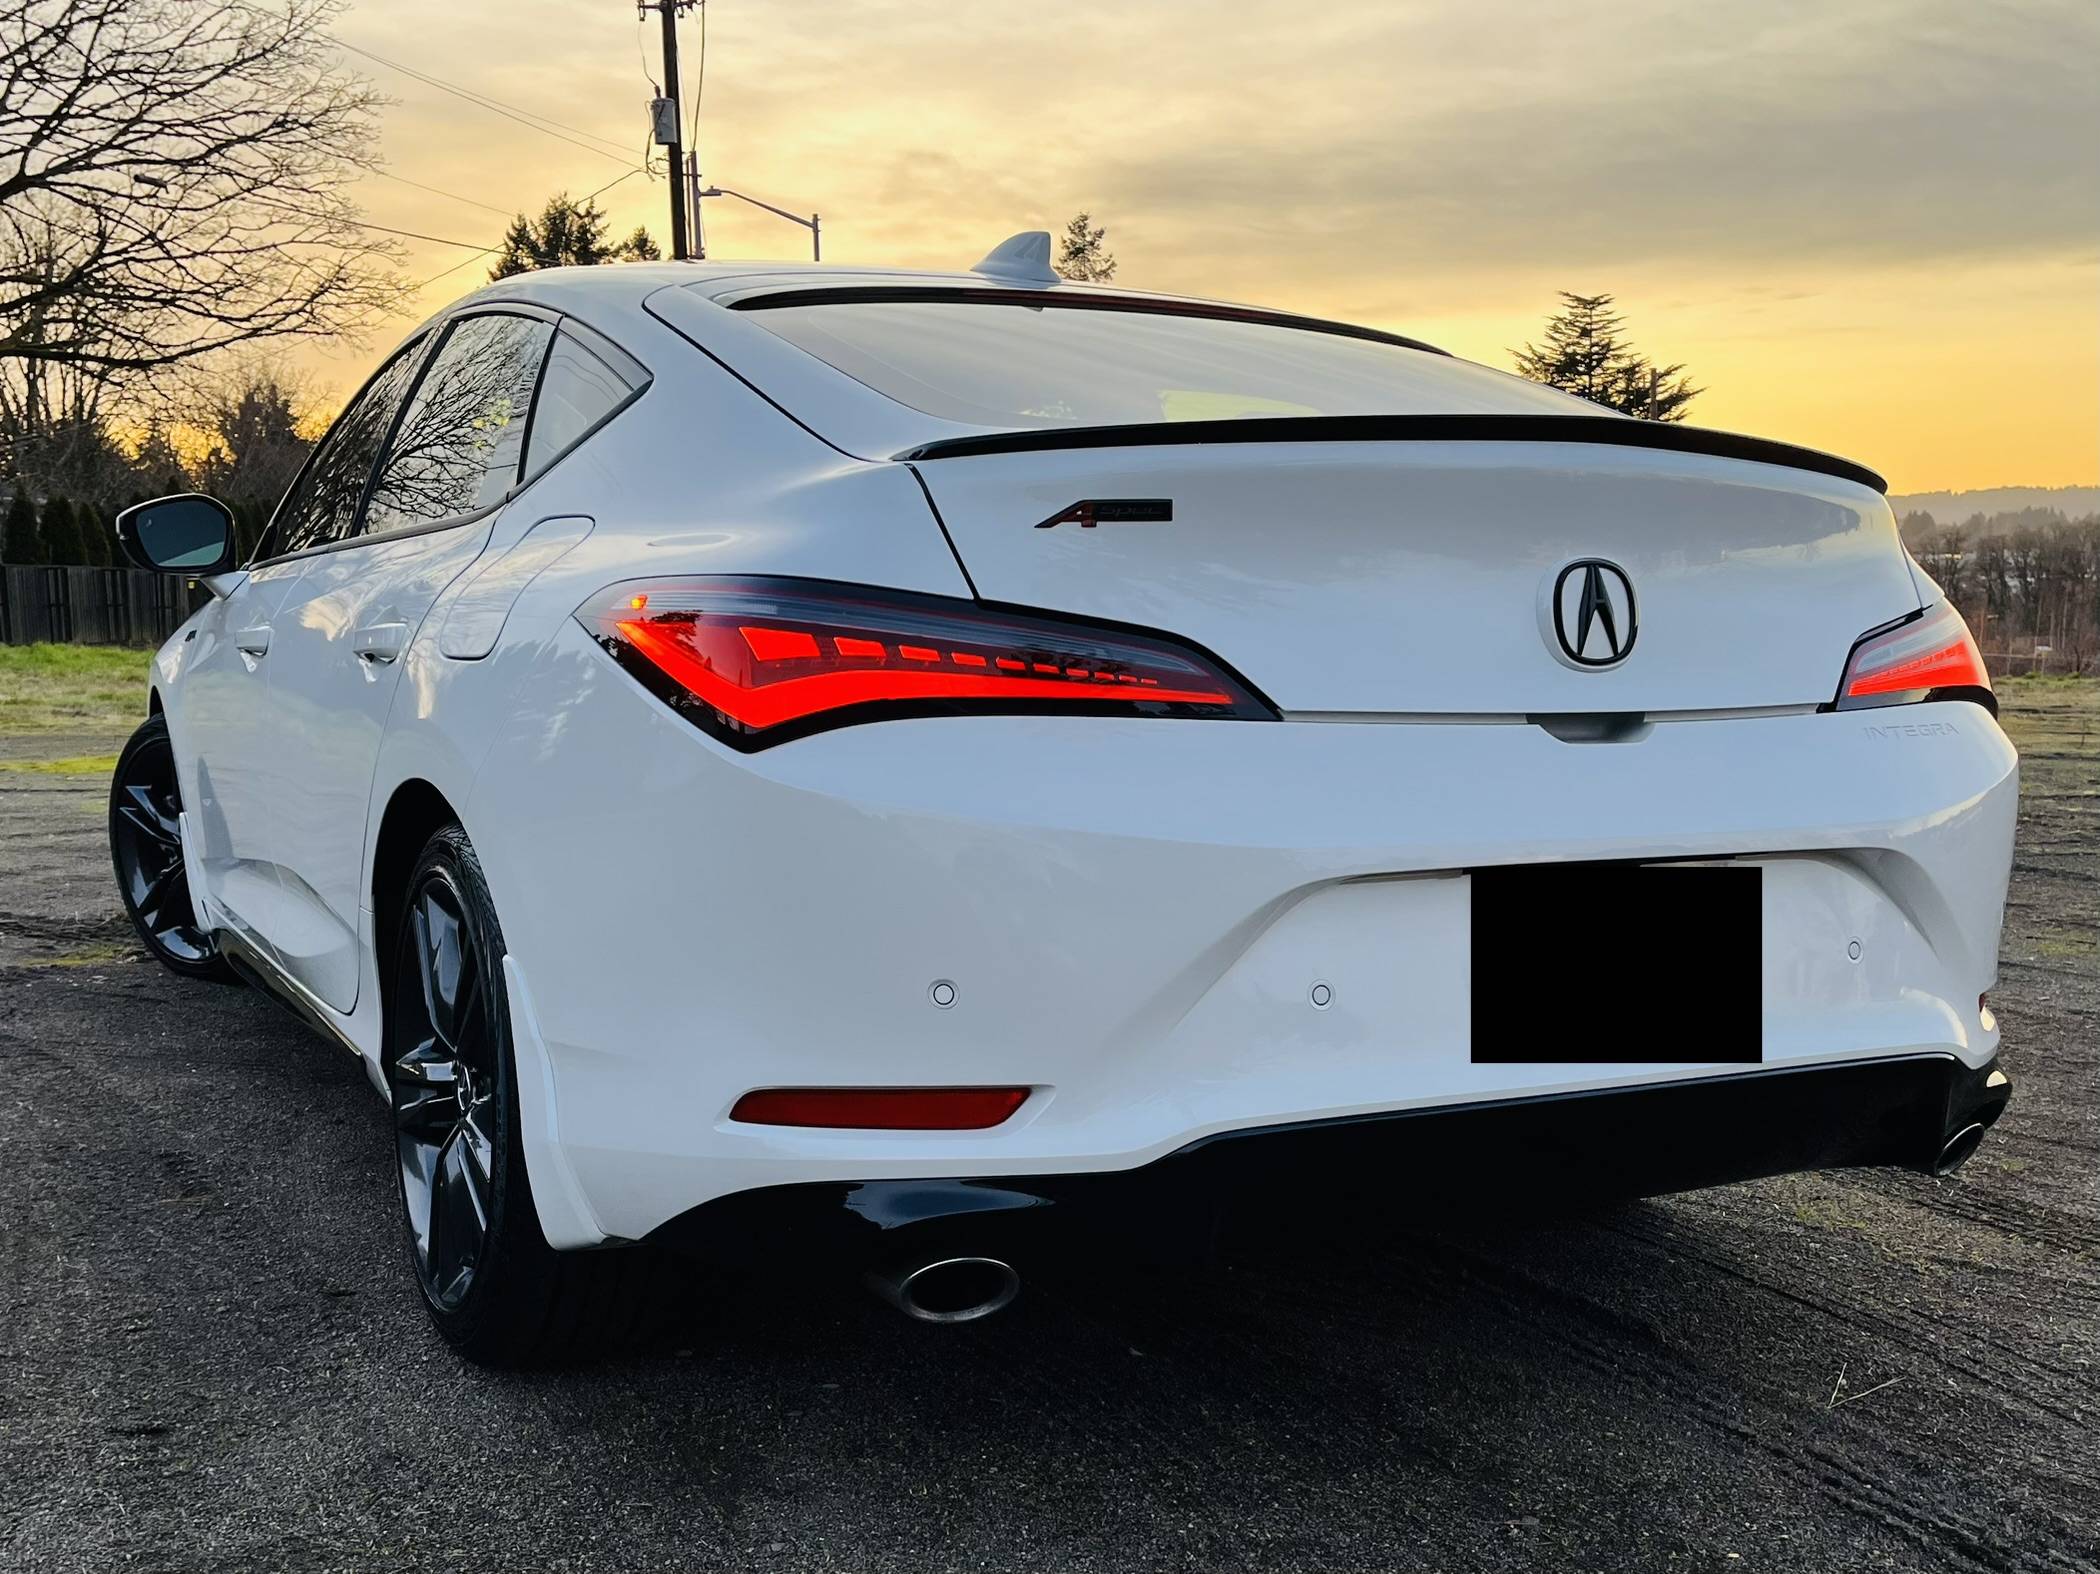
x: 484, y: 251
x: 602, y: 190
x: 439, y: 192
x: 362, y: 224
x: 417, y: 289
x: 524, y: 117
x: 474, y: 95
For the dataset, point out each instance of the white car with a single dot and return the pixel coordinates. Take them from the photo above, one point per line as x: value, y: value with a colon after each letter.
x: 918, y: 767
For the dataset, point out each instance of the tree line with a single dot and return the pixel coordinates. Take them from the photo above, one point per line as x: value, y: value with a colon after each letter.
x: 248, y: 432
x: 2022, y: 580
x: 177, y: 193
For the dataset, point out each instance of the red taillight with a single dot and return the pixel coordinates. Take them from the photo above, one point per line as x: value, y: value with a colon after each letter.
x: 880, y: 1109
x: 1933, y: 656
x: 773, y: 659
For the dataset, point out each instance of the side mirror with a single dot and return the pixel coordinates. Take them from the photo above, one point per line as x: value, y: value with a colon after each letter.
x: 185, y: 534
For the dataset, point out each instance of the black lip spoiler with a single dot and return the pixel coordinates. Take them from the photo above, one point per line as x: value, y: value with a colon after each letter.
x: 1606, y: 430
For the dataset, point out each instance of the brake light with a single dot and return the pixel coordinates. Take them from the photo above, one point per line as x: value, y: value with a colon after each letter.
x: 880, y: 1109
x: 1931, y: 657
x: 758, y: 661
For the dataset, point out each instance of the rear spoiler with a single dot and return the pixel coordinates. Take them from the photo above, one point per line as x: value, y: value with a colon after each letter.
x: 1608, y: 430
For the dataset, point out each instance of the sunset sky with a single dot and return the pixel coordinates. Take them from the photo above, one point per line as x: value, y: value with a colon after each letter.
x: 1872, y: 226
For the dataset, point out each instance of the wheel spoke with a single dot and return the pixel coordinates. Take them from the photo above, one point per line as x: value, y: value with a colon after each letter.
x: 417, y: 1161
x: 459, y: 1220
x: 147, y: 817
x: 145, y: 831
x: 426, y: 1116
x: 176, y: 903
x: 419, y: 925
x: 447, y: 968
x: 152, y: 895
x: 147, y: 825
x: 474, y: 1136
x: 441, y: 1071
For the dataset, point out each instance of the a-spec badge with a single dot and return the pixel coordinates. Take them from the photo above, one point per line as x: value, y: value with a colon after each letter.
x: 1092, y: 511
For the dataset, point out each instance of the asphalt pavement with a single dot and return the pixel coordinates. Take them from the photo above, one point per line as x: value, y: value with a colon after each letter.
x: 212, y: 1355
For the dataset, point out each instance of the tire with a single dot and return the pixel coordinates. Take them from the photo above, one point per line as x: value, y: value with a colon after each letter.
x: 145, y: 848
x: 494, y: 1288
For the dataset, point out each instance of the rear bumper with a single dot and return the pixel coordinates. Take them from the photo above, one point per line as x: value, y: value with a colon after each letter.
x: 1623, y: 1142
x: 1167, y: 930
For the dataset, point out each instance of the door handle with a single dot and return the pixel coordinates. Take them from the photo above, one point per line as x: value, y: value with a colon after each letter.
x: 380, y: 642
x: 253, y: 642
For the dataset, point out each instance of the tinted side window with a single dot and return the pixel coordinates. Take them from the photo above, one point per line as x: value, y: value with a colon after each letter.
x: 322, y: 505
x: 581, y: 389
x: 457, y: 448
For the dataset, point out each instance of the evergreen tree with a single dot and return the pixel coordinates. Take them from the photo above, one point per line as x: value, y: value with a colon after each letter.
x: 87, y: 528
x: 98, y: 535
x: 157, y: 463
x: 249, y: 521
x: 567, y: 235
x: 1585, y: 353
x: 61, y: 533
x: 254, y: 445
x: 24, y: 541
x: 1081, y: 256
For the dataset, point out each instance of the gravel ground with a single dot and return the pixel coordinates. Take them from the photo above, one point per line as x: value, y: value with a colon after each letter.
x: 211, y: 1354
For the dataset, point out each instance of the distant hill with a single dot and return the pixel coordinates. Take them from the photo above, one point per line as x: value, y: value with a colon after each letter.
x: 1952, y: 508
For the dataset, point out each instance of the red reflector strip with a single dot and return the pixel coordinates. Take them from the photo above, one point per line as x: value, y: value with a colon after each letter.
x: 918, y: 653
x: 963, y: 658
x: 880, y: 1109
x: 779, y: 644
x: 859, y: 647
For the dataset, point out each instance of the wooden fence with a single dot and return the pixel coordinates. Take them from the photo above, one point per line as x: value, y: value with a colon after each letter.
x: 92, y: 606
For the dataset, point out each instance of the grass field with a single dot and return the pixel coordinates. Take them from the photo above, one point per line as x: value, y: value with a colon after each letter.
x: 71, y: 689
x: 101, y: 689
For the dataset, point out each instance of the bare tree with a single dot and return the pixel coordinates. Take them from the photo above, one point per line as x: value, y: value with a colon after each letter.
x: 174, y: 181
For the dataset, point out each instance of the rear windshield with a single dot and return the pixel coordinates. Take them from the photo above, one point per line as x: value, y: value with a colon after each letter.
x: 1020, y: 365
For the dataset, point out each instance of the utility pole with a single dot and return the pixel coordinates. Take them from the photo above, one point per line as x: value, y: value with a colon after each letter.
x: 695, y: 213
x: 668, y: 133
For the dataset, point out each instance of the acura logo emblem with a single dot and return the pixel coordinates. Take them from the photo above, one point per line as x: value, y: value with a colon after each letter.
x: 1593, y: 613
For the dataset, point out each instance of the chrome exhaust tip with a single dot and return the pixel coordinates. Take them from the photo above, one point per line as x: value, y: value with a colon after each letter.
x: 947, y: 1289
x: 1957, y: 1148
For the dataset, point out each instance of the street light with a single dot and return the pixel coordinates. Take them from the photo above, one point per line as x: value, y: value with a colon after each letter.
x: 814, y: 223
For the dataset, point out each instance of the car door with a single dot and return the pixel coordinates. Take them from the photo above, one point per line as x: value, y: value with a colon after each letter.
x: 450, y: 462
x: 223, y: 724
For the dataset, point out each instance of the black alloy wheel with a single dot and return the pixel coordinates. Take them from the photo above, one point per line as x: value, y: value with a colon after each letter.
x: 492, y: 1285
x: 145, y: 844
x: 445, y: 1088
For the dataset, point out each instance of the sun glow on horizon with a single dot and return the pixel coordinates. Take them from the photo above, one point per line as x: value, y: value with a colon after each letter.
x: 1865, y: 234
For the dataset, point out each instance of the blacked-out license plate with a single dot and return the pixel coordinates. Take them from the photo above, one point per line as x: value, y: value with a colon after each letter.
x: 1610, y: 962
